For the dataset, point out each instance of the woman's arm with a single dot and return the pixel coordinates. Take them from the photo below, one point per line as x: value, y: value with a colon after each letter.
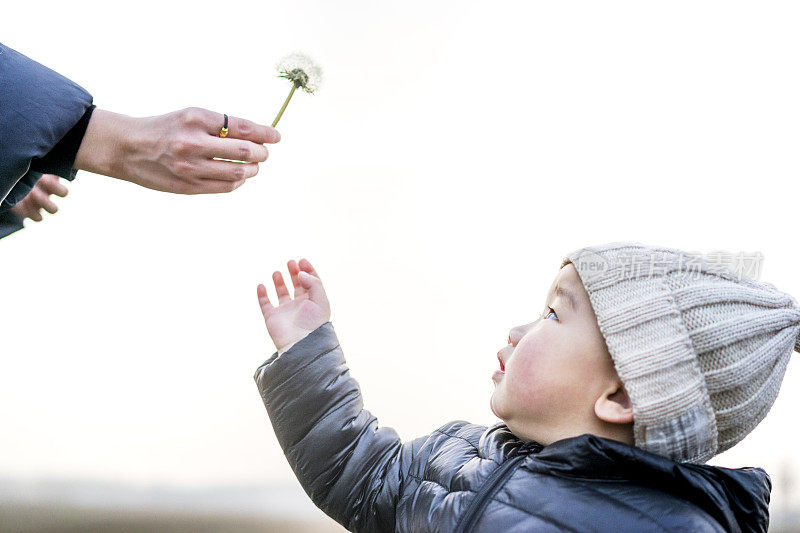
x: 175, y: 152
x: 38, y: 108
x: 48, y: 126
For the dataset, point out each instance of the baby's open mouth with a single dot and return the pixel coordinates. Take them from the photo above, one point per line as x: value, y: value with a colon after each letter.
x: 502, y: 366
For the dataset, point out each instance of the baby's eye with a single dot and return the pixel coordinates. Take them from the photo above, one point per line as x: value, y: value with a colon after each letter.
x: 552, y: 312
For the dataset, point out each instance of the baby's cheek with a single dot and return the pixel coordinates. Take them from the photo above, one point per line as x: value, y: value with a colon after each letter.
x: 535, y: 383
x: 554, y: 376
x: 542, y: 394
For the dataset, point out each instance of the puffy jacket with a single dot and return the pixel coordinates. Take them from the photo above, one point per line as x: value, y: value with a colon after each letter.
x: 467, y: 477
x: 43, y: 117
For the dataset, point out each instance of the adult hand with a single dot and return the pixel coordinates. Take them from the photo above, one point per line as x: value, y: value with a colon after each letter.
x: 293, y: 319
x: 175, y: 152
x: 39, y: 198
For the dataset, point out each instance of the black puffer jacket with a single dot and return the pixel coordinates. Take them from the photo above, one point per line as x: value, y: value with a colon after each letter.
x: 466, y: 477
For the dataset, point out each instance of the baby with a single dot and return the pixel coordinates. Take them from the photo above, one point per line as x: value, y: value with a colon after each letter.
x: 645, y: 363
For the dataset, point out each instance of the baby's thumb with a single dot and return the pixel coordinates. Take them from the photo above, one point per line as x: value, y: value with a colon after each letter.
x: 312, y: 284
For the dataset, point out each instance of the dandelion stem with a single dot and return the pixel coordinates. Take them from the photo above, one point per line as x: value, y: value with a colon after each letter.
x: 283, y: 108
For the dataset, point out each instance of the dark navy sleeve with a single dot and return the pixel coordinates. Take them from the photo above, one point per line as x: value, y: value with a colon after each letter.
x: 38, y: 110
x: 60, y: 159
x: 9, y: 223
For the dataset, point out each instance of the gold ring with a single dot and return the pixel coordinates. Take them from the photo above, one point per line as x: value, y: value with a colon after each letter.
x: 223, y: 131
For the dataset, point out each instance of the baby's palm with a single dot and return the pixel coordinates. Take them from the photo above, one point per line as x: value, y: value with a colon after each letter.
x: 294, y: 318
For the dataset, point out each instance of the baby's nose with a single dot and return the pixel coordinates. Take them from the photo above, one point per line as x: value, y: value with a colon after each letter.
x: 516, y: 334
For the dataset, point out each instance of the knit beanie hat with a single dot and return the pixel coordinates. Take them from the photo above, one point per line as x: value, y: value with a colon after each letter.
x: 701, y: 350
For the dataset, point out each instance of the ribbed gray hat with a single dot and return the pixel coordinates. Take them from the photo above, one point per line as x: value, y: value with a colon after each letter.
x: 701, y: 350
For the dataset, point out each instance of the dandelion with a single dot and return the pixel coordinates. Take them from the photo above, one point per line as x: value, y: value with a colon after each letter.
x: 302, y: 72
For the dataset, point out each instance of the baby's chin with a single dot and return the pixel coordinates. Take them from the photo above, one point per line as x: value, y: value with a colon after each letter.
x: 491, y: 405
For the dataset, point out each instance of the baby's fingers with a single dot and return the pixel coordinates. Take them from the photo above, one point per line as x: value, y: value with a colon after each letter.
x: 305, y: 266
x: 299, y: 290
x: 263, y: 300
x: 280, y: 288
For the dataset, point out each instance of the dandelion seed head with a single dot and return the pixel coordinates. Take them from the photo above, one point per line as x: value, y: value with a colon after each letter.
x: 300, y: 70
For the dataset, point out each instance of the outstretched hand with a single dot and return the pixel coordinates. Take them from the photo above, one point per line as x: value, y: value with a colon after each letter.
x: 39, y: 198
x: 294, y: 318
x: 180, y: 152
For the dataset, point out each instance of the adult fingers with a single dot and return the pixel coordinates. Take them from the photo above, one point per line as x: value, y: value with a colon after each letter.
x: 202, y: 186
x: 227, y: 170
x: 31, y: 210
x: 51, y: 185
x: 210, y: 169
x: 43, y: 200
x: 235, y: 149
x: 216, y: 186
x: 238, y: 128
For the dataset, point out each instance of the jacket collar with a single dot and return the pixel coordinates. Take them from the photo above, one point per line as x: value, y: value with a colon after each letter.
x: 735, y: 497
x: 497, y: 443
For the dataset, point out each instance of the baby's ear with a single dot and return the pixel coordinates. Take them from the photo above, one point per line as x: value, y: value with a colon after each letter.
x: 614, y: 405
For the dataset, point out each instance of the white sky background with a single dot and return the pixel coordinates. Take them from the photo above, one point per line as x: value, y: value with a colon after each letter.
x: 455, y: 153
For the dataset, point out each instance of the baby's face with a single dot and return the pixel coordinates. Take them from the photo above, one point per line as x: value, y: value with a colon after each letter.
x: 554, y: 369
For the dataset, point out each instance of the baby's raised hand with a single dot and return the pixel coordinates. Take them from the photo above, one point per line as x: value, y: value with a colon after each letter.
x: 293, y: 319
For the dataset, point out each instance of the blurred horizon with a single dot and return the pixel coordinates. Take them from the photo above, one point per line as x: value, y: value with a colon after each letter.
x: 70, y: 505
x: 67, y: 505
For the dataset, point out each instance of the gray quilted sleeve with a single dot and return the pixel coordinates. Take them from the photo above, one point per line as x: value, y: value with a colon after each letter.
x: 350, y: 467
